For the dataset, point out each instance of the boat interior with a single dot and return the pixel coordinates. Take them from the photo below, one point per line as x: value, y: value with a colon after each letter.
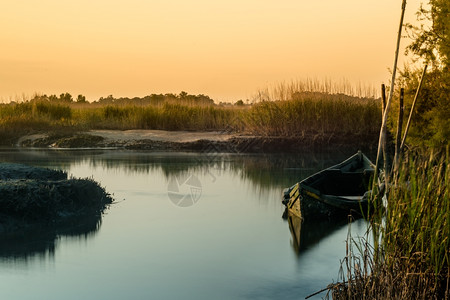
x: 339, y: 183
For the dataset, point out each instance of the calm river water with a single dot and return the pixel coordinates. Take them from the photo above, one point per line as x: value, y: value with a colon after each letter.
x: 183, y: 226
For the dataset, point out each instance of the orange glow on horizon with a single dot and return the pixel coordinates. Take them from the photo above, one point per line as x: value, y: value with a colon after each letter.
x: 224, y: 49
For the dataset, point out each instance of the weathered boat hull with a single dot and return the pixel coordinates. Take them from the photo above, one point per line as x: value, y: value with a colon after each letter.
x: 336, y: 191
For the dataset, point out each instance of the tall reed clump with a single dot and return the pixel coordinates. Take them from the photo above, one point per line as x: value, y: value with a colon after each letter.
x: 166, y: 116
x: 417, y: 231
x: 30, y: 117
x: 314, y: 107
x: 412, y: 258
x: 36, y: 111
x: 315, y: 114
x: 326, y: 86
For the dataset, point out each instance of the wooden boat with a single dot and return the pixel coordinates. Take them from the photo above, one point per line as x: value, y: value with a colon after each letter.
x: 335, y: 191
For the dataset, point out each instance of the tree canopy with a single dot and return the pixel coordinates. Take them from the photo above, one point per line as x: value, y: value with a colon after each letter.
x: 431, y: 43
x: 431, y: 39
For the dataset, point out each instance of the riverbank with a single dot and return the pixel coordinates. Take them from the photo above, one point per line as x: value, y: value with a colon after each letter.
x: 203, y: 141
x: 306, y: 120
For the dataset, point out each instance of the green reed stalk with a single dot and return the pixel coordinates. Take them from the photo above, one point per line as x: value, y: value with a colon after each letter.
x: 412, y: 258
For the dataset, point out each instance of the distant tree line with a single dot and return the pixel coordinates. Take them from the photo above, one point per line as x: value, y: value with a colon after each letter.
x: 63, y: 98
x: 152, y: 99
x: 155, y: 99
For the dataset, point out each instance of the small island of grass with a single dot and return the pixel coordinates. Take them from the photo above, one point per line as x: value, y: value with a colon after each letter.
x: 31, y: 195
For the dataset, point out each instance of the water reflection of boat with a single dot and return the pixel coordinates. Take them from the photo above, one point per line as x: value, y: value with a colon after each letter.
x: 306, y: 233
x: 334, y: 191
x: 295, y: 226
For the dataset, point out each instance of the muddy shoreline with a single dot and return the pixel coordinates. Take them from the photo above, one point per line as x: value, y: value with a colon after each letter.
x: 158, y: 140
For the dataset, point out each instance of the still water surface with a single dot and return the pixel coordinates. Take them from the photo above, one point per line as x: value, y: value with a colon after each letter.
x: 183, y: 226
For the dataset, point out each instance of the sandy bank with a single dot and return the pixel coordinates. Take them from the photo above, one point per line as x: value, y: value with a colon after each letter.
x: 161, y: 135
x: 160, y: 140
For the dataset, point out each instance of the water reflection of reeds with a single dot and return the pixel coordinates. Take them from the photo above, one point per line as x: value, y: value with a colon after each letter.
x: 258, y: 168
x: 263, y: 173
x: 267, y: 175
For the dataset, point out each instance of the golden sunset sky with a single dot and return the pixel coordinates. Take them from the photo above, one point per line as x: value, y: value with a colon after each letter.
x: 225, y: 49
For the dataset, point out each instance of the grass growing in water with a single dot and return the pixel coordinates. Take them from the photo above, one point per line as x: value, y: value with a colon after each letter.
x: 412, y: 258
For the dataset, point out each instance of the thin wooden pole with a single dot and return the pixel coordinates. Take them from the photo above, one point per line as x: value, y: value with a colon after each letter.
x: 383, y: 99
x: 412, y: 108
x: 383, y: 107
x: 391, y: 91
x: 399, y: 128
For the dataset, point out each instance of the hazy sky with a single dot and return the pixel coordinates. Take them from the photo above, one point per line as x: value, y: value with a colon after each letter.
x: 225, y: 49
